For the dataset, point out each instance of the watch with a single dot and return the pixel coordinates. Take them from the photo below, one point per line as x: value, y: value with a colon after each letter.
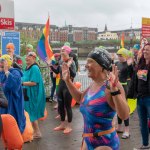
x: 115, y: 93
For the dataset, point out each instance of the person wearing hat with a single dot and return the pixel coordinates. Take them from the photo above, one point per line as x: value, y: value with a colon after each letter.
x: 10, y: 79
x: 17, y: 61
x: 54, y: 76
x: 100, y: 101
x: 125, y: 70
x: 72, y: 54
x: 136, y: 51
x: 63, y: 94
x: 29, y: 48
x: 33, y: 85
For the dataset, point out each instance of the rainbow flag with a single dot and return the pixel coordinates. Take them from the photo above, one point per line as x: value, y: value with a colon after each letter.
x: 122, y: 40
x: 44, y: 49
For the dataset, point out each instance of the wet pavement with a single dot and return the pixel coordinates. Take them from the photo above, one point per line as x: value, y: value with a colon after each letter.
x: 56, y: 140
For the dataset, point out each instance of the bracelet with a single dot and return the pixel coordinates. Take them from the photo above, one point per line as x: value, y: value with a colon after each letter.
x: 115, y: 93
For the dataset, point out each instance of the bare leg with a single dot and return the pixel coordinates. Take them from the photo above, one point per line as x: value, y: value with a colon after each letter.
x: 126, y: 129
x: 84, y: 146
x: 37, y: 132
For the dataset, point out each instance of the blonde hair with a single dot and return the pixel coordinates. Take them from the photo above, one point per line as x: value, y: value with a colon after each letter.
x: 8, y: 59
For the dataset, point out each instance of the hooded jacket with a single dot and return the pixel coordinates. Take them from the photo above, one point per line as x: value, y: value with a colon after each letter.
x: 13, y: 91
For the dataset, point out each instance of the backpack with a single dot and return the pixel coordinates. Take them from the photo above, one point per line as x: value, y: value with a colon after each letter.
x: 28, y: 131
x: 75, y: 58
x: 11, y: 134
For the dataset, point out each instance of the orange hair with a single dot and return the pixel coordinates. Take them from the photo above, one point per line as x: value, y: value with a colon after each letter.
x: 10, y: 46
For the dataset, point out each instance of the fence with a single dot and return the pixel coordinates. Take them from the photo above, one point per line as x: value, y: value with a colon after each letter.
x: 80, y: 77
x: 46, y: 79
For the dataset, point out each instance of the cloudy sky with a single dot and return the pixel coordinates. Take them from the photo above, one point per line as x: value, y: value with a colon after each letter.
x: 117, y: 14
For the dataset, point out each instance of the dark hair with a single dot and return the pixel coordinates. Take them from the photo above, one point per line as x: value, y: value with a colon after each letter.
x: 142, y: 61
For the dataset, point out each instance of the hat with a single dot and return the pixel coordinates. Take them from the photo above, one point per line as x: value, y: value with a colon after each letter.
x: 10, y: 46
x: 56, y: 54
x: 124, y: 52
x: 67, y: 49
x: 67, y: 44
x: 136, y: 46
x: 102, y: 57
x: 7, y: 58
x: 29, y: 46
x: 130, y: 54
x: 32, y: 54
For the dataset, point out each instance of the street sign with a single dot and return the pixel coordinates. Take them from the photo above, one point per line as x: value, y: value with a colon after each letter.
x: 10, y: 37
x: 145, y: 27
x: 7, y: 15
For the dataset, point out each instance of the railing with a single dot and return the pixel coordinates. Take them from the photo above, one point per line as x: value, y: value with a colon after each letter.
x: 80, y: 77
x: 83, y: 79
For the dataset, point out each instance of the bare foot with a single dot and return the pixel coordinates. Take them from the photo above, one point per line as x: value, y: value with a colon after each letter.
x: 56, y: 106
x: 60, y: 127
x: 67, y: 130
x: 57, y: 117
x: 37, y: 135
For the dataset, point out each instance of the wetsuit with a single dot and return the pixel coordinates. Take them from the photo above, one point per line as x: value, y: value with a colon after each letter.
x: 98, y: 116
x: 64, y: 96
x: 124, y: 72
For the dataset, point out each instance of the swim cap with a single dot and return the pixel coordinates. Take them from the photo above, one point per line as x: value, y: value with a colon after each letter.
x: 10, y: 46
x: 102, y: 47
x: 56, y: 54
x: 32, y: 54
x: 67, y: 44
x: 29, y: 46
x: 130, y: 54
x: 124, y: 52
x: 102, y: 57
x: 67, y: 49
x: 136, y: 46
x: 7, y: 58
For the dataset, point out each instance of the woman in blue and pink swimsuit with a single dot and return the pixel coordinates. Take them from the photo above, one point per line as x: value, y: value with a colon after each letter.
x: 100, y: 101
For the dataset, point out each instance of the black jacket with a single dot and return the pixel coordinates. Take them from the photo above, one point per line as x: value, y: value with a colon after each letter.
x: 133, y: 88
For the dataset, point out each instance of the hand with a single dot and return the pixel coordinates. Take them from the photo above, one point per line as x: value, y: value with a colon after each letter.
x: 70, y: 62
x: 6, y: 68
x: 113, y: 78
x: 65, y: 72
x: 48, y: 61
x: 112, y: 56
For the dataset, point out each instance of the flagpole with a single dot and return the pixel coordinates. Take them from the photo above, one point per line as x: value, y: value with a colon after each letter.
x: 48, y: 15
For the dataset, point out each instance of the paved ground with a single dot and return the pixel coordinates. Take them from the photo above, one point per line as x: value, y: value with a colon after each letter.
x: 53, y: 140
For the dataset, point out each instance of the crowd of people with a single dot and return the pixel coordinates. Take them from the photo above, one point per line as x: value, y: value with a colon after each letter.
x: 113, y: 82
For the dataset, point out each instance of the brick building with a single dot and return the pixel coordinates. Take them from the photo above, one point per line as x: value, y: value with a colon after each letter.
x: 57, y: 34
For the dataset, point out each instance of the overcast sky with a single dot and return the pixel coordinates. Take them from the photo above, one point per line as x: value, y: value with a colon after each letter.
x: 117, y: 14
